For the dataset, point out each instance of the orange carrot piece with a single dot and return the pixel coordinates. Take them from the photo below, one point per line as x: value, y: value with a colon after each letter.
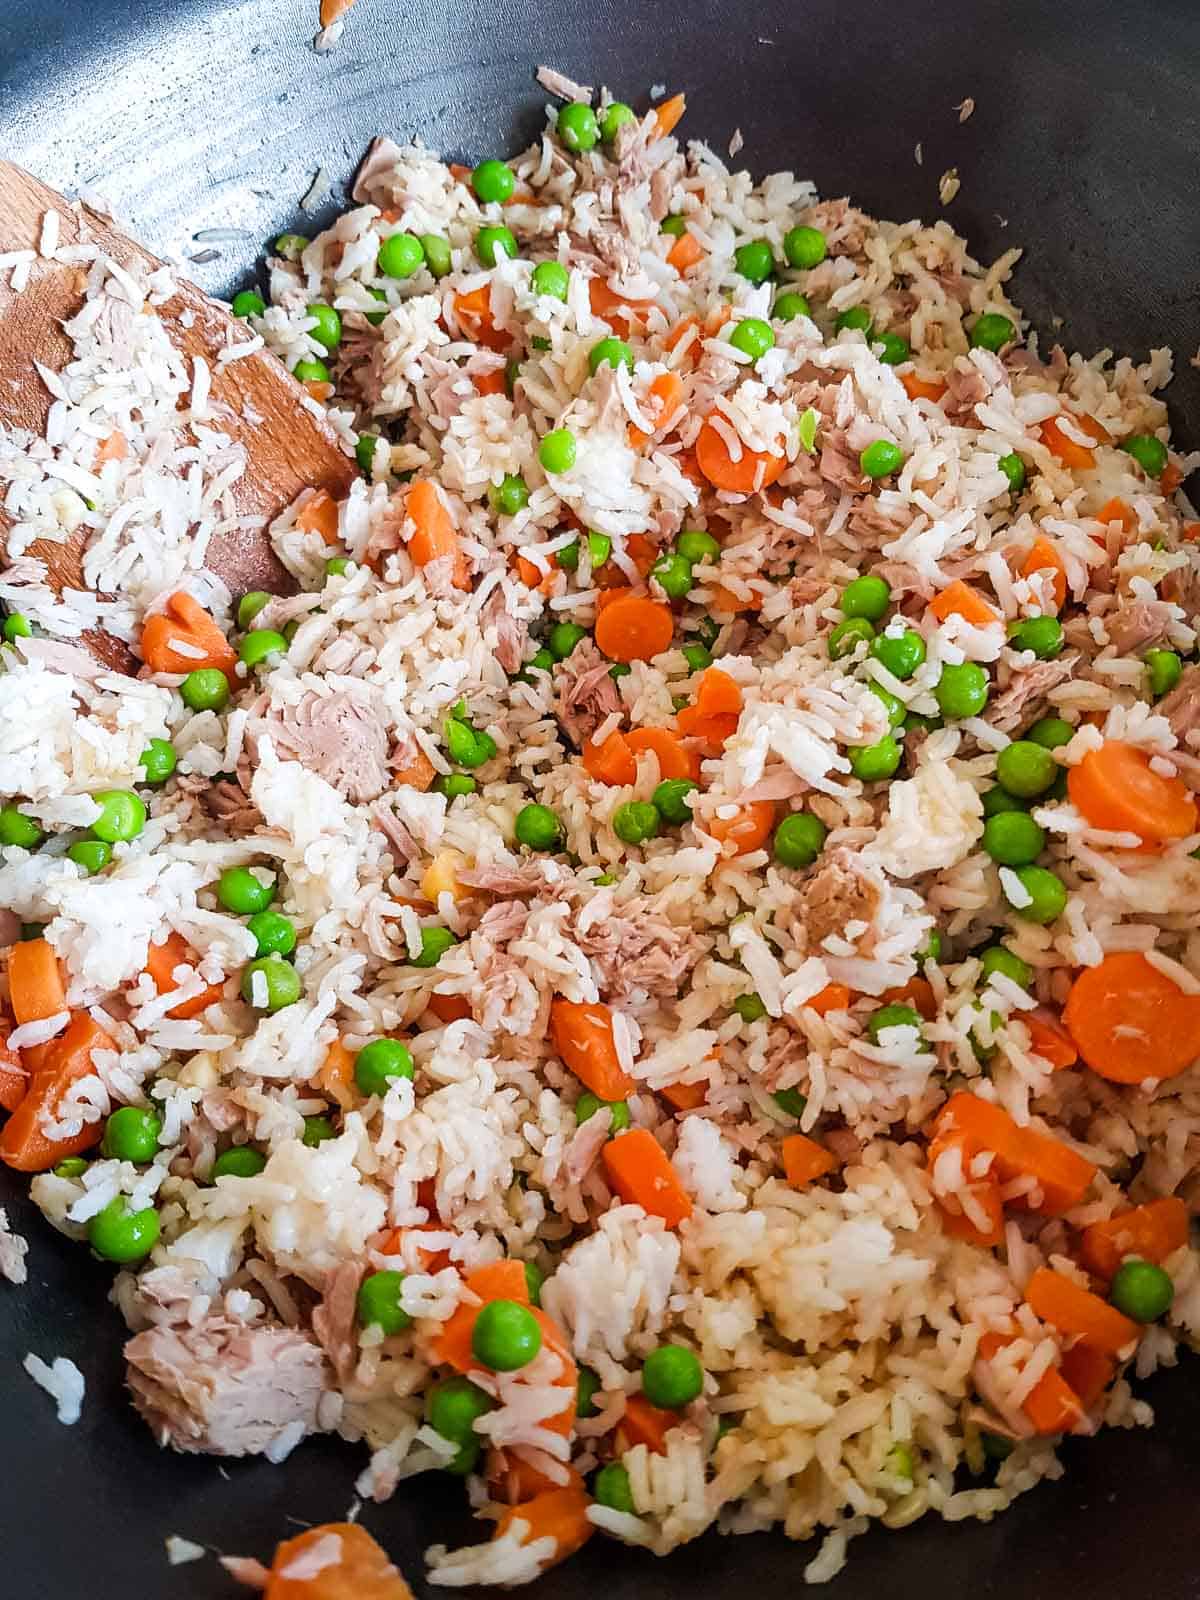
x: 1062, y: 1174
x: 418, y: 773
x: 1117, y: 510
x: 1079, y: 1313
x: 959, y: 599
x: 23, y: 1144
x: 1170, y: 477
x: 583, y: 1037
x: 1131, y: 1022
x: 1116, y: 788
x: 833, y: 997
x: 669, y: 113
x: 1191, y: 531
x: 318, y: 390
x: 499, y: 1280
x: 673, y: 760
x: 434, y: 535
x: 804, y: 1160
x: 512, y: 1481
x: 14, y: 1079
x: 362, y: 1570
x: 432, y: 1260
x: 1076, y: 456
x: 185, y: 619
x: 634, y: 628
x: 1044, y: 557
x: 726, y: 603
x: 35, y: 983
x: 748, y: 829
x: 1088, y: 1371
x: 643, y: 1423
x: 449, y: 1007
x: 532, y: 576
x: 1050, y: 1041
x: 1052, y: 1405
x: 752, y: 471
x: 717, y: 694
x: 685, y: 1096
x: 161, y: 961
x: 986, y: 1193
x: 319, y: 514
x: 613, y: 307
x: 336, y: 1076
x: 474, y: 312
x: 558, y: 1514
x: 490, y: 382
x: 922, y: 388
x: 685, y: 253
x: 612, y: 762
x: 639, y: 1171
x: 1152, y: 1232
x: 667, y: 393
x: 917, y: 992
x: 114, y: 448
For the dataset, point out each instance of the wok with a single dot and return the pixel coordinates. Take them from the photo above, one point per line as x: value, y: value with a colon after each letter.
x: 1084, y: 146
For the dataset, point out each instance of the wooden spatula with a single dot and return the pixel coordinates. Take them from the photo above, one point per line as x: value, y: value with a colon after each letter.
x: 288, y: 449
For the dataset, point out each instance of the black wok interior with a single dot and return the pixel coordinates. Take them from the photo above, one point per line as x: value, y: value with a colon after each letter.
x: 1084, y: 147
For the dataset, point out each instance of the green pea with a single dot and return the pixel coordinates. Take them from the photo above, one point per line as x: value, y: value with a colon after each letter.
x: 506, y: 1336
x: 881, y: 459
x: 16, y: 626
x: 1026, y: 769
x: 122, y: 815
x: 914, y: 722
x: 610, y: 1487
x: 259, y: 646
x: 635, y: 822
x: 510, y: 495
x: 557, y: 451
x: 588, y: 1104
x: 493, y: 182
x: 540, y: 661
x: 616, y: 116
x: 672, y: 1377
x: 1149, y: 453
x: 563, y: 637
x: 157, y: 760
x: 799, y: 839
x: 962, y: 689
x: 899, y: 1461
x: 291, y: 245
x: 1042, y: 635
x: 900, y: 653
x: 121, y: 1235
x: 1164, y: 670
x: 577, y: 127
x: 586, y: 1389
x: 455, y: 784
x: 400, y: 255
x: 932, y: 950
x: 454, y: 1406
x: 694, y: 545
x: 791, y: 305
x: 1013, y: 839
x: 281, y: 983
x: 493, y: 244
x: 752, y: 336
x: 892, y: 1016
x: 997, y: 958
x: 312, y: 371
x: 997, y: 799
x: 857, y: 319
x: 892, y: 704
x: 468, y: 746
x: 673, y: 574
x: 273, y: 933
x: 72, y: 1167
x: 847, y: 635
x: 93, y: 855
x: 612, y: 352
x: 995, y: 1446
x: 18, y: 829
x: 1142, y: 1291
x: 1047, y: 895
x: 1013, y: 469
x: 1051, y: 733
x: 749, y: 1007
x: 872, y: 763
x: 804, y: 247
x: 364, y: 453
x: 676, y: 226
x: 538, y: 828
x: 671, y: 800
x: 317, y: 1131
x: 131, y: 1134
x: 242, y: 891
x: 248, y: 303
x: 239, y: 1162
x: 708, y: 631
x: 434, y: 944
x: 550, y: 278
x: 791, y: 1101
x: 376, y: 318
x: 992, y: 331
x: 512, y: 371
x: 327, y: 329
x: 599, y: 549
x: 893, y: 349
x: 381, y: 1061
x: 696, y: 656
x: 206, y: 689
x: 754, y: 260
x: 379, y: 1305
x: 868, y: 596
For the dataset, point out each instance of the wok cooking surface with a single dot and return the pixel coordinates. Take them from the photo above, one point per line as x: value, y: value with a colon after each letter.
x: 1084, y: 147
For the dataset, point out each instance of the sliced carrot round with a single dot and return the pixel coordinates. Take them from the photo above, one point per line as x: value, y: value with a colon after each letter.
x: 1077, y: 456
x: 754, y: 469
x: 1045, y: 558
x: 748, y: 829
x: 1131, y: 1022
x: 673, y: 760
x: 611, y: 762
x: 922, y: 388
x: 359, y: 1570
x: 1116, y: 788
x: 631, y: 627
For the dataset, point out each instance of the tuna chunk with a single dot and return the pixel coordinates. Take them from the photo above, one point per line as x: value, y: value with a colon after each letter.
x: 222, y: 1389
x: 1182, y: 706
x: 333, y: 1319
x: 339, y: 736
x: 1026, y: 690
x: 636, y: 948
x: 586, y: 694
x: 1137, y: 625
x: 843, y: 891
x: 228, y: 803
